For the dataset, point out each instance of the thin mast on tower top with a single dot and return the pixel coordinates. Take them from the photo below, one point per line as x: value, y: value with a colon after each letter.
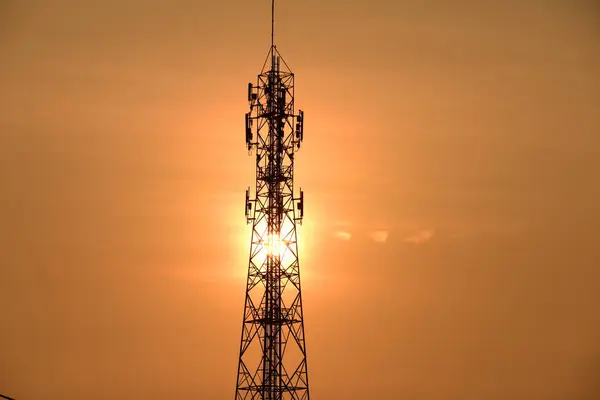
x: 272, y: 23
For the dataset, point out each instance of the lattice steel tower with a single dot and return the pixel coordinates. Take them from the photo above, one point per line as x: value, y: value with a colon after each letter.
x: 272, y: 363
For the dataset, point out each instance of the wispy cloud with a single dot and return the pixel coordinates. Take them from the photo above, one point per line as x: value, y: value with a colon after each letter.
x: 421, y: 236
x: 343, y: 235
x: 380, y: 236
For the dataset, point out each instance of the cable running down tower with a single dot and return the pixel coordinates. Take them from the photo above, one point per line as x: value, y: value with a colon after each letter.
x: 272, y: 360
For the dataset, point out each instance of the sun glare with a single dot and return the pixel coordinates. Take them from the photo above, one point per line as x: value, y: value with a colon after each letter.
x: 274, y: 245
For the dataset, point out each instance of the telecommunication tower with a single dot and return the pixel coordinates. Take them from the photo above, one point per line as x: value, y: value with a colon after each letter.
x: 272, y: 360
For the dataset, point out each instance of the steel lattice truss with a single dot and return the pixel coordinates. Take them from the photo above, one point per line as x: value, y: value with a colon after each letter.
x: 272, y: 363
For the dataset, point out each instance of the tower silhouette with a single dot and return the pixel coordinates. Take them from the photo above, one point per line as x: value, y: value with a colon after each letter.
x: 272, y: 359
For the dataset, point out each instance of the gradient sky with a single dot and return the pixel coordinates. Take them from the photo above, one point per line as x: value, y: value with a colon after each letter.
x: 451, y: 169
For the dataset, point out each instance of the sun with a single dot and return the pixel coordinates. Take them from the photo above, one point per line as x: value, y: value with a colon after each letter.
x: 274, y: 245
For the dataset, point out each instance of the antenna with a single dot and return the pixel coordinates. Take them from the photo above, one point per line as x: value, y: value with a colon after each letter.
x: 272, y: 360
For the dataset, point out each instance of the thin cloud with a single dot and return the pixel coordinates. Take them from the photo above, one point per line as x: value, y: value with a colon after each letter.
x: 343, y: 235
x: 421, y: 237
x: 380, y: 236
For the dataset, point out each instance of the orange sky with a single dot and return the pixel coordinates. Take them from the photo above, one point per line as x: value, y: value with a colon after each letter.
x: 450, y: 169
